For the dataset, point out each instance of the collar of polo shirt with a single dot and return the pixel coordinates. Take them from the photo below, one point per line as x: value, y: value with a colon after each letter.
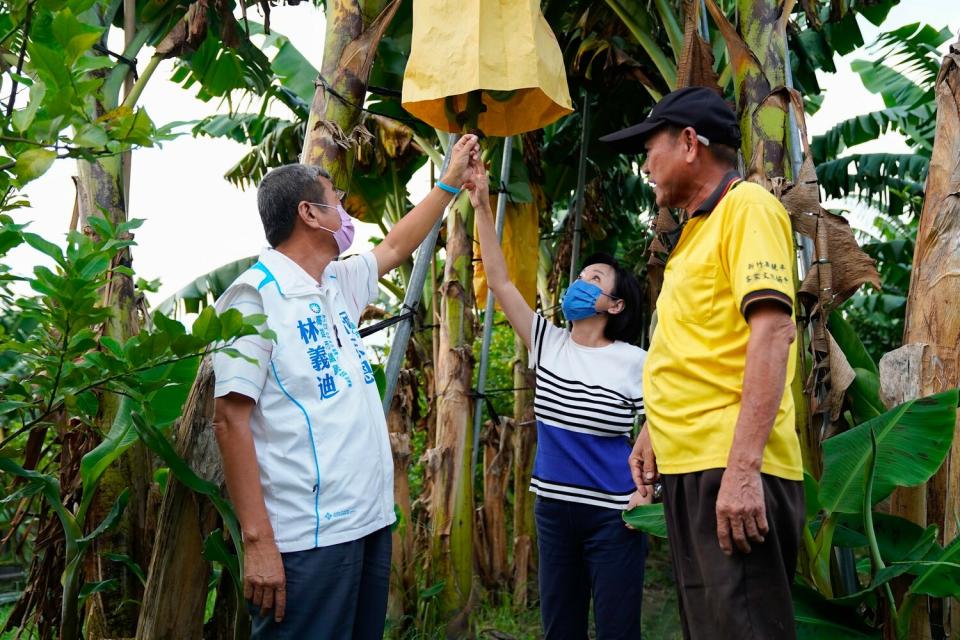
x: 728, y: 182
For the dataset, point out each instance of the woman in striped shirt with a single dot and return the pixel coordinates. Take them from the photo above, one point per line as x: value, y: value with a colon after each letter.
x: 588, y: 398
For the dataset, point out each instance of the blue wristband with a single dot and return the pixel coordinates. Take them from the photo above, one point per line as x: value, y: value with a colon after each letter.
x: 447, y: 187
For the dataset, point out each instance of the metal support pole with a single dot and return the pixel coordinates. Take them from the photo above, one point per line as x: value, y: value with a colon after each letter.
x: 488, y: 311
x: 411, y: 299
x: 704, y: 28
x: 581, y: 187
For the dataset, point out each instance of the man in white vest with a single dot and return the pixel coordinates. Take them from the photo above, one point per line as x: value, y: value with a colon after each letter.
x: 306, y: 454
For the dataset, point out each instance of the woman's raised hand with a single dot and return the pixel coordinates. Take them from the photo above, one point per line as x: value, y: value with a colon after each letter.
x: 477, y: 184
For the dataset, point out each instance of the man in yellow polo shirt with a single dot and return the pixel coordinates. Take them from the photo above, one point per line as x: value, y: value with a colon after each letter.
x: 720, y: 417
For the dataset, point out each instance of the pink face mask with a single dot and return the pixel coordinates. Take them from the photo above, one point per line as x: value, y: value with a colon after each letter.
x: 343, y: 235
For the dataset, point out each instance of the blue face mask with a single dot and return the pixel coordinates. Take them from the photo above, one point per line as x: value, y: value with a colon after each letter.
x: 580, y: 300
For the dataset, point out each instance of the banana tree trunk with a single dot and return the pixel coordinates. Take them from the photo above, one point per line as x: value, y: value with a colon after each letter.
x: 403, y: 585
x: 350, y: 44
x: 110, y: 614
x: 757, y: 58
x: 763, y: 24
x: 524, y: 449
x: 176, y: 591
x: 448, y: 464
x: 491, y: 533
x: 929, y: 361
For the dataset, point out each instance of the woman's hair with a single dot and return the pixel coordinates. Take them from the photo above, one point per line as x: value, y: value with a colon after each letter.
x: 623, y: 326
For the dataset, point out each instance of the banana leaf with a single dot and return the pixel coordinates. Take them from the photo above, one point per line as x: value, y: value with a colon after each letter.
x: 819, y: 619
x: 941, y: 577
x: 93, y: 465
x: 207, y: 288
x: 648, y: 518
x: 912, y: 441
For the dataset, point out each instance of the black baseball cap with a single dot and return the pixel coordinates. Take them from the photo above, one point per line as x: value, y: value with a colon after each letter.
x: 697, y: 107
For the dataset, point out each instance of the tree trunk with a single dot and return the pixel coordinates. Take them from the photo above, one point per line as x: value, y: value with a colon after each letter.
x: 176, y: 591
x: 448, y: 464
x: 350, y: 44
x: 491, y: 547
x: 763, y: 24
x: 524, y: 450
x: 110, y: 614
x: 403, y: 584
x: 230, y: 620
x: 932, y: 323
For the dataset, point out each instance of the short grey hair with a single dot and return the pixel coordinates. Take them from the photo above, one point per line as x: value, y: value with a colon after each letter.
x: 280, y: 193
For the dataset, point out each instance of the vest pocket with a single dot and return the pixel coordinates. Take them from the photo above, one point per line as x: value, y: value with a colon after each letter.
x: 696, y: 292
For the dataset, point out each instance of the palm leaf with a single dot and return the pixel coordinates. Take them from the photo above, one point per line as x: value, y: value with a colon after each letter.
x: 870, y: 176
x: 914, y: 48
x: 870, y: 126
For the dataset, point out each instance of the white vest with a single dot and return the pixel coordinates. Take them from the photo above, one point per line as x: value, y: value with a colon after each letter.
x: 320, y: 434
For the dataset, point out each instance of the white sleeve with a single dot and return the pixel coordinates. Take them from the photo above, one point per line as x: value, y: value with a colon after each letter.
x: 543, y: 335
x: 641, y: 407
x: 358, y: 278
x: 234, y: 374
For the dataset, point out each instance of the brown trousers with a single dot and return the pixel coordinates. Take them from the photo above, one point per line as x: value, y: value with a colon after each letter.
x: 738, y: 597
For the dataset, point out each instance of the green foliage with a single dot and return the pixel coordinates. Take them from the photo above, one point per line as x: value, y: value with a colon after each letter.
x: 288, y: 78
x: 879, y: 315
x: 500, y: 371
x: 217, y: 68
x: 72, y: 109
x: 908, y: 454
x: 204, y: 290
x: 61, y: 366
x: 902, y: 74
x: 213, y: 548
x: 649, y: 518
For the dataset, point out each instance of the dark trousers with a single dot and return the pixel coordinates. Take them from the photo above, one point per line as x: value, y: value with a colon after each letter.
x: 744, y: 596
x: 584, y: 551
x: 337, y: 592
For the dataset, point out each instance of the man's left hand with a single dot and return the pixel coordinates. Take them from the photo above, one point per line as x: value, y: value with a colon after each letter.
x: 741, y: 512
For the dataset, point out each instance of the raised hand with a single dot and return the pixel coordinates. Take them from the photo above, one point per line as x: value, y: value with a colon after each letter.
x: 477, y: 184
x: 466, y: 148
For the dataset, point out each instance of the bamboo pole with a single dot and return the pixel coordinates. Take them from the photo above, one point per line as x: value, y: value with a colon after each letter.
x: 489, y: 309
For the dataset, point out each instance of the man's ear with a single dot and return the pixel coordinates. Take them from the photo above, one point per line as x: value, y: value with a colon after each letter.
x: 688, y: 138
x: 307, y: 214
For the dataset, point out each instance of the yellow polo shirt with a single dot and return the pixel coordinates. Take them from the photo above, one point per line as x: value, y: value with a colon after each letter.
x: 734, y: 251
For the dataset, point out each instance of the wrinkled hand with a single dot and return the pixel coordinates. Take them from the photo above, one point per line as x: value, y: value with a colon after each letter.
x: 477, y: 184
x: 741, y: 512
x: 264, y: 583
x: 466, y: 148
x: 643, y: 464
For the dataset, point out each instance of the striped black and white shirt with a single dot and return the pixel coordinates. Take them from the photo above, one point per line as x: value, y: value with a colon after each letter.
x: 587, y: 401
